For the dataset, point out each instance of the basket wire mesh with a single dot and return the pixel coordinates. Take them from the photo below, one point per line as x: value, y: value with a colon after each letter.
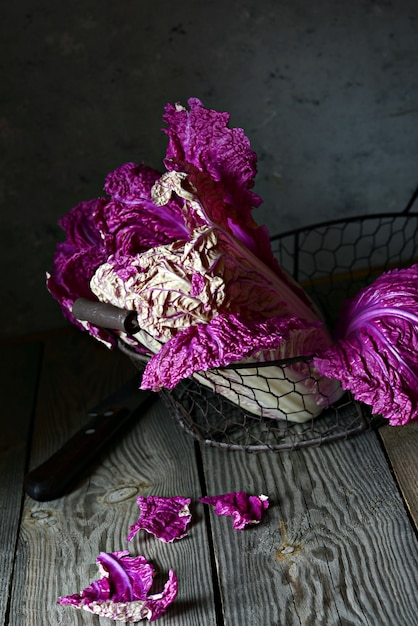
x: 331, y: 261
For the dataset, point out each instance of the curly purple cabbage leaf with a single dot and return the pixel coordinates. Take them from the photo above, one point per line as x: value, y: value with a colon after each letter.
x: 376, y: 354
x: 243, y: 508
x: 225, y: 339
x: 123, y: 592
x: 75, y: 261
x: 165, y: 518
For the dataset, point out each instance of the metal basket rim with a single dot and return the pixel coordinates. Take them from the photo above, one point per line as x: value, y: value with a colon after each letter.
x: 341, y: 220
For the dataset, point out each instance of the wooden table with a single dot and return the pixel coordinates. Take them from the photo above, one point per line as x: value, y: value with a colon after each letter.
x: 337, y: 546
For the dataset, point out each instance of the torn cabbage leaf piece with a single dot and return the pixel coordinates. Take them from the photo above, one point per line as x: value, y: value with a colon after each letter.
x: 243, y: 509
x: 376, y: 354
x: 166, y: 518
x: 122, y: 593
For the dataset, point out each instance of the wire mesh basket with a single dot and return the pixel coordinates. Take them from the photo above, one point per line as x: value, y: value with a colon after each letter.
x: 331, y: 261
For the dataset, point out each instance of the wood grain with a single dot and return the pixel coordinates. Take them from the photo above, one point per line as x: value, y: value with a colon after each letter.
x: 401, y: 444
x: 335, y: 548
x: 60, y: 540
x: 19, y: 374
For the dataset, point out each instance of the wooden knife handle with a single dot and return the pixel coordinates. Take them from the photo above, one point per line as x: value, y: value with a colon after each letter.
x: 105, y: 315
x: 54, y: 477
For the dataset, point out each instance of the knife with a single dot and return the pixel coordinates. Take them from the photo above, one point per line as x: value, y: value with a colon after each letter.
x: 55, y: 477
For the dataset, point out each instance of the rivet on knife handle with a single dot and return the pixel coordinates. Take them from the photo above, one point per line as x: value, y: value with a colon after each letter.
x: 65, y: 467
x: 53, y: 478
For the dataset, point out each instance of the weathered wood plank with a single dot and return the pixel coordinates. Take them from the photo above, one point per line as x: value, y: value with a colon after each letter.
x: 60, y: 540
x: 401, y: 444
x: 19, y: 367
x: 336, y: 546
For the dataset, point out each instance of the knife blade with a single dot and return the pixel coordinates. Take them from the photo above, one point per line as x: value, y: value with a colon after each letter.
x: 55, y: 476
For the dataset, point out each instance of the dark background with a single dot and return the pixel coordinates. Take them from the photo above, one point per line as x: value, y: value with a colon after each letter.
x: 326, y: 91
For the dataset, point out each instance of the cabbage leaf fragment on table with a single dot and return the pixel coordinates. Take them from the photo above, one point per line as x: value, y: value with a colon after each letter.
x: 243, y: 508
x: 166, y: 518
x: 122, y: 593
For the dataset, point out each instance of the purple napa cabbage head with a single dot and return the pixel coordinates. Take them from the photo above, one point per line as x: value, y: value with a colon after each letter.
x: 147, y: 218
x: 376, y: 355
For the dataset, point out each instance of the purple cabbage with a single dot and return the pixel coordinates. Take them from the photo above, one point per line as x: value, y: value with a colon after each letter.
x: 130, y: 222
x: 225, y: 339
x: 75, y: 261
x: 126, y: 223
x: 183, y: 248
x: 221, y: 168
x: 123, y: 592
x: 165, y: 518
x: 200, y: 138
x: 376, y: 354
x: 243, y: 509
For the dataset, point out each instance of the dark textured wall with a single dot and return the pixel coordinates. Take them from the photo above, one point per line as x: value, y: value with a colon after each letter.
x: 327, y: 92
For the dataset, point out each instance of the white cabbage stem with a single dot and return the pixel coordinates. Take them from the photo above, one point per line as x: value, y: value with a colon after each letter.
x: 275, y: 392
